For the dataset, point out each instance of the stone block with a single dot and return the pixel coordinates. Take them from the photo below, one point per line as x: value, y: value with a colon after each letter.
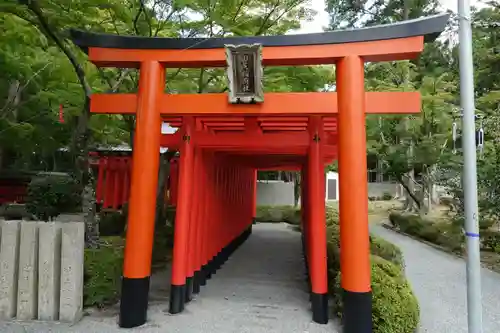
x: 49, y: 270
x: 9, y: 265
x: 27, y: 287
x: 72, y: 258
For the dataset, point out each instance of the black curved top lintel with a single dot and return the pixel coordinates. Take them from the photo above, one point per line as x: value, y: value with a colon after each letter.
x: 430, y: 27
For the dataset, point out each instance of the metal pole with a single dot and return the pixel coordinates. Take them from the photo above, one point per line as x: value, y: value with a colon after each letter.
x: 469, y: 177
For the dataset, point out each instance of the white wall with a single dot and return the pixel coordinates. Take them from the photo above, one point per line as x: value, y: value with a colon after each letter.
x: 274, y: 193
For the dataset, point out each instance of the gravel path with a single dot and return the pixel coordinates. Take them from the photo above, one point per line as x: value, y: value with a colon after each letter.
x: 439, y: 282
x: 261, y: 289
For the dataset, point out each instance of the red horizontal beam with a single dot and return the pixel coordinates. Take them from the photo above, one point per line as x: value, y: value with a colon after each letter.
x: 311, y: 103
x: 245, y: 141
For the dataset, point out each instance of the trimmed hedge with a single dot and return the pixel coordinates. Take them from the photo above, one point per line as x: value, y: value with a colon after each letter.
x: 16, y: 211
x: 395, y: 307
x: 51, y: 195
x: 278, y: 214
x: 448, y: 235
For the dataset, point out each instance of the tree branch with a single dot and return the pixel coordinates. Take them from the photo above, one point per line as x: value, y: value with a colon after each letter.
x: 35, y: 8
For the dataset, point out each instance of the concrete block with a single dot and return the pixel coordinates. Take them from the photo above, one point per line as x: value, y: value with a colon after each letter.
x: 27, y: 287
x: 9, y: 265
x: 72, y: 256
x: 49, y: 270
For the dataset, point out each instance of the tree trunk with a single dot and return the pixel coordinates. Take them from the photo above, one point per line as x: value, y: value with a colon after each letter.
x: 296, y: 188
x: 80, y: 150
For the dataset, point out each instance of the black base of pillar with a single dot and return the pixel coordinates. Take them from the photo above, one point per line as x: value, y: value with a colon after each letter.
x: 203, y: 275
x: 134, y: 302
x: 196, y: 282
x: 357, y: 316
x: 177, y: 296
x: 319, y: 305
x: 188, y: 295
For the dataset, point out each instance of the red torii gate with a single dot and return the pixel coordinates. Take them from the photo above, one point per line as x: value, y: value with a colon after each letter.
x: 215, y: 204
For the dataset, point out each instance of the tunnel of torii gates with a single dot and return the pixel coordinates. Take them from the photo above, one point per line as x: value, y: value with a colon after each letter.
x: 222, y: 144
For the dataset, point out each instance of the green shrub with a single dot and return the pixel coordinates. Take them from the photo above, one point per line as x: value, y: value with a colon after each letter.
x: 102, y: 274
x: 395, y: 308
x: 486, y: 223
x: 292, y: 215
x: 15, y: 212
x: 163, y: 243
x: 277, y: 214
x: 264, y: 214
x: 387, y: 196
x: 103, y: 266
x: 386, y: 250
x: 51, y: 195
x: 448, y: 235
x: 112, y: 223
x: 430, y: 233
x: 394, y: 218
x: 411, y: 224
x: 490, y: 240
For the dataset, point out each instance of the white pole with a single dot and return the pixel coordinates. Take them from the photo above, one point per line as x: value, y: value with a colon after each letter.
x: 469, y: 178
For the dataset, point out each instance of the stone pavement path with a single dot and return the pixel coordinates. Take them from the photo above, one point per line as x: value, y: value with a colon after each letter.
x: 439, y: 281
x: 260, y: 289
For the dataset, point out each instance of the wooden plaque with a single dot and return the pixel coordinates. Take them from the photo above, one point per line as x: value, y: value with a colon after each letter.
x: 244, y: 73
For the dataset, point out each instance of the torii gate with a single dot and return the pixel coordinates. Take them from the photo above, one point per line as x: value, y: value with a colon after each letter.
x: 222, y: 145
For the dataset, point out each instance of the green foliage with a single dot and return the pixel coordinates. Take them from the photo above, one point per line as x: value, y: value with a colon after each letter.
x: 443, y: 233
x: 104, y: 265
x: 112, y: 223
x: 102, y: 273
x: 51, y: 195
x: 163, y: 243
x: 277, y: 214
x: 384, y: 249
x: 395, y: 307
x: 15, y: 212
x: 490, y: 241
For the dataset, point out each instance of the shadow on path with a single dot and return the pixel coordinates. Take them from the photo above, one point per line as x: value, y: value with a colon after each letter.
x: 260, y: 289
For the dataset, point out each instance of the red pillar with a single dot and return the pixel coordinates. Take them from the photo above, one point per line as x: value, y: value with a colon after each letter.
x: 254, y: 196
x: 100, y: 180
x: 354, y: 234
x: 193, y: 226
x: 317, y: 225
x: 182, y: 221
x: 116, y: 182
x: 126, y: 180
x: 199, y: 209
x: 109, y: 183
x: 141, y: 216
